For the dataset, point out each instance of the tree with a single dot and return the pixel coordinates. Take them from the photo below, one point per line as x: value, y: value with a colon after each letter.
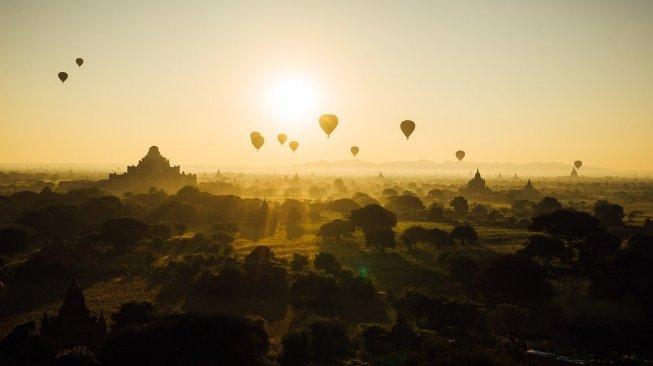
x: 343, y: 205
x: 133, y: 313
x: 176, y: 211
x: 414, y: 235
x: 547, y: 205
x: 641, y: 244
x: 389, y: 192
x: 380, y: 237
x: 13, y: 240
x: 465, y: 233
x: 124, y: 231
x: 609, y: 214
x: 545, y: 247
x: 76, y: 356
x: 327, y: 262
x: 459, y: 205
x: 508, y: 320
x: 597, y: 246
x: 180, y: 229
x: 373, y: 215
x: 461, y: 268
x: 406, y: 203
x: 571, y: 227
x: 479, y: 210
x: 294, y: 217
x: 436, y: 194
x: 435, y: 213
x: 523, y: 208
x: 336, y: 229
x: 190, y: 339
x: 514, y: 279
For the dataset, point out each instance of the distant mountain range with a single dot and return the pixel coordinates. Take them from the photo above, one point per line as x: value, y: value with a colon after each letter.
x: 463, y: 168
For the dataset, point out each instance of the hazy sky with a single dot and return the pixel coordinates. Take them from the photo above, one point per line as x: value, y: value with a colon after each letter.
x: 513, y: 81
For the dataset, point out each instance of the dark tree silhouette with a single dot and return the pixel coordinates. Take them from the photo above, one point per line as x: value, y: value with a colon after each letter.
x: 373, y: 215
x: 76, y: 356
x: 459, y: 205
x: 414, y: 235
x: 189, y: 339
x: 547, y: 205
x: 514, y: 279
x: 609, y: 214
x: 465, y: 233
x: 123, y: 232
x: 572, y: 227
x: 327, y: 262
x: 343, y: 205
x: 336, y: 229
x: 544, y: 247
x: 13, y: 240
x: 406, y: 203
x: 461, y: 268
x: 133, y: 313
x: 435, y: 213
x: 380, y: 237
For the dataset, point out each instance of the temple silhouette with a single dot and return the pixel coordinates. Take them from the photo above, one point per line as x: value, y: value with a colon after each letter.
x: 73, y: 326
x: 476, y: 187
x: 153, y: 170
x: 528, y: 192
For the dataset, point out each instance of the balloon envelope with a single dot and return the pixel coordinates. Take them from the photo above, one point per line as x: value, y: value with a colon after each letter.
x: 328, y: 122
x: 79, y: 62
x: 63, y: 76
x: 257, y: 140
x: 578, y: 164
x: 354, y: 150
x: 293, y: 145
x: 282, y: 138
x: 407, y: 127
x: 460, y: 155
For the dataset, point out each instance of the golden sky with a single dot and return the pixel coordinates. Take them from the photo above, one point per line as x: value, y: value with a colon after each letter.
x: 516, y: 81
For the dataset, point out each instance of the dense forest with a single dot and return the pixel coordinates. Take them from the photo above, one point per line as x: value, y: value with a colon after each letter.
x: 409, y: 273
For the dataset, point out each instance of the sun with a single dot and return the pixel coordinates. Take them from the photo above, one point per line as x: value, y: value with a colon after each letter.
x: 292, y: 98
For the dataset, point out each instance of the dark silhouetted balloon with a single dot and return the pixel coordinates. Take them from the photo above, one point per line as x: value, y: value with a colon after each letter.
x: 460, y: 155
x: 354, y: 150
x: 63, y: 76
x: 257, y: 139
x: 79, y: 61
x: 282, y: 138
x: 407, y: 127
x: 328, y: 122
x: 293, y: 145
x: 578, y: 164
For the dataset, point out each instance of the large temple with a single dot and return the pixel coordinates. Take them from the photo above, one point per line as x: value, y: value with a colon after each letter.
x: 153, y: 170
x: 528, y: 192
x: 73, y: 326
x: 476, y: 187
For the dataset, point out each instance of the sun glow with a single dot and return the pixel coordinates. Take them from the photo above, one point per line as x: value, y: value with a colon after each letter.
x: 292, y: 99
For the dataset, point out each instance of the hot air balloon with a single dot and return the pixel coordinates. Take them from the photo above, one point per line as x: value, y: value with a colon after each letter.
x: 578, y: 164
x: 282, y: 138
x: 460, y: 155
x: 407, y: 127
x: 354, y: 150
x: 293, y: 145
x: 257, y: 140
x: 79, y: 61
x: 328, y: 122
x: 63, y: 76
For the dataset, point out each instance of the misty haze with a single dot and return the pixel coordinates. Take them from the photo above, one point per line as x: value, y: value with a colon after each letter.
x: 313, y: 183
